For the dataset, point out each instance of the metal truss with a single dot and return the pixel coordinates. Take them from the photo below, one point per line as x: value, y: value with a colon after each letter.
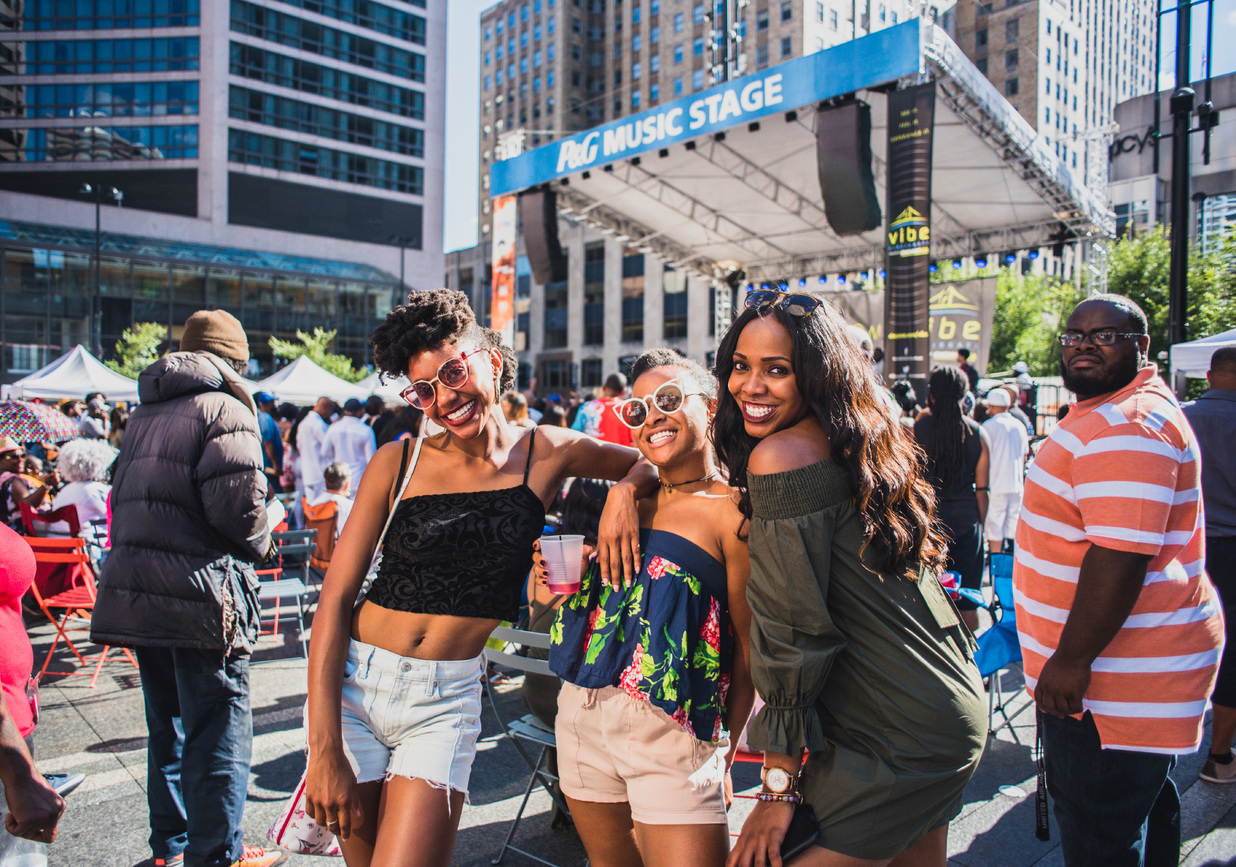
x: 762, y: 182
x: 578, y: 207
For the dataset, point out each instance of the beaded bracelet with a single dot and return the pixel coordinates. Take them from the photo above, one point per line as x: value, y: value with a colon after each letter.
x: 773, y: 796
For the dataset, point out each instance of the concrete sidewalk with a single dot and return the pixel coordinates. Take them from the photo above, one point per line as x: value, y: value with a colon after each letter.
x: 102, y: 733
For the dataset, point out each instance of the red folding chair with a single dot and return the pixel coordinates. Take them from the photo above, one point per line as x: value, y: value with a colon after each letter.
x: 76, y: 603
x: 37, y: 523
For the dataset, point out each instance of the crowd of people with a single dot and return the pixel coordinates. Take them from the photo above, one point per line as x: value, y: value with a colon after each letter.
x: 775, y: 528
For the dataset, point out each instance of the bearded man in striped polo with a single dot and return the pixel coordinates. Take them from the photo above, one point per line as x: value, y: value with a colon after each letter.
x: 1120, y: 628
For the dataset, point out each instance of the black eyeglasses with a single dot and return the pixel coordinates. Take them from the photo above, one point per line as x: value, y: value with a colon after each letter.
x: 793, y: 303
x: 1101, y: 337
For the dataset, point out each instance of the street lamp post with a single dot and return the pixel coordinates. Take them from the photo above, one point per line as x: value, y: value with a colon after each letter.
x: 96, y: 291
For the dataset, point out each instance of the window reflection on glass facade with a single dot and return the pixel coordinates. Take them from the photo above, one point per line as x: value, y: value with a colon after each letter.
x: 555, y: 315
x: 109, y: 14
x: 632, y: 297
x: 46, y: 297
x: 98, y: 143
x: 88, y: 56
x: 674, y: 304
x: 594, y: 293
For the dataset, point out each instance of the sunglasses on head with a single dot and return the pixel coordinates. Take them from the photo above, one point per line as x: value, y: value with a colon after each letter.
x: 454, y: 373
x: 793, y: 303
x: 669, y: 397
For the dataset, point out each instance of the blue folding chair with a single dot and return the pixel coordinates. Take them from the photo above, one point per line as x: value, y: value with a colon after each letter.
x: 998, y: 647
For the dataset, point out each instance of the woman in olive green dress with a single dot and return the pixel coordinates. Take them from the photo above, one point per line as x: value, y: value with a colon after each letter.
x: 860, y: 657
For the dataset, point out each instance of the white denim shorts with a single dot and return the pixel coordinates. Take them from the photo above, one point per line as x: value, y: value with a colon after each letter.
x: 406, y: 717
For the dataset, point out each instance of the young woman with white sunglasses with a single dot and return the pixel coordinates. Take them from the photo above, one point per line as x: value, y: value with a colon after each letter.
x: 655, y: 669
x: 394, y: 681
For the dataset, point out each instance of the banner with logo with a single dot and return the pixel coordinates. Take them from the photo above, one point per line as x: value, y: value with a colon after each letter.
x: 911, y: 114
x: 502, y: 304
x: 960, y: 314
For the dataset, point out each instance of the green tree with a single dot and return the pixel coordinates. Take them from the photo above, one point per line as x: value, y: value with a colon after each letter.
x: 137, y: 348
x: 1139, y: 268
x: 317, y: 347
x: 1029, y: 310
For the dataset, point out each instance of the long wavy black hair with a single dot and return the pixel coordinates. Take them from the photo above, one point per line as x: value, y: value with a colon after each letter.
x: 946, y: 451
x: 897, y: 505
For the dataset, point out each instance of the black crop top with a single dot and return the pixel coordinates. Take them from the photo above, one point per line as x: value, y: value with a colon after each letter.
x: 466, y: 555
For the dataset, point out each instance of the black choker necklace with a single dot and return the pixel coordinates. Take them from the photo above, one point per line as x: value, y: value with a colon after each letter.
x: 670, y: 486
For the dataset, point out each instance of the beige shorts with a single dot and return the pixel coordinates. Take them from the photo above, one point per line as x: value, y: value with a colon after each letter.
x: 613, y: 748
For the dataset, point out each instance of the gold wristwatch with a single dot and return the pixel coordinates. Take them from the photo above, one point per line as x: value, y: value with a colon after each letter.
x: 779, y: 781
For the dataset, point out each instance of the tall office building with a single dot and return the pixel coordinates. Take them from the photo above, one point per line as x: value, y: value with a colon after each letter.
x: 554, y: 67
x: 1064, y: 64
x: 282, y: 159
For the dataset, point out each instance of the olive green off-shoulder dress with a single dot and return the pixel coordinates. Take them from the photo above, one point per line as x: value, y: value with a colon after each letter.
x: 873, y: 674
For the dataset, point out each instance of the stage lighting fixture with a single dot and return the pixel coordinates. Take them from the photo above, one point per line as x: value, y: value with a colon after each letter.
x: 956, y: 264
x: 841, y: 278
x: 1033, y: 254
x: 980, y: 261
x: 864, y: 274
x: 783, y: 285
x: 933, y: 267
x: 765, y: 286
x: 802, y: 282
x: 1010, y: 258
x: 823, y: 279
x: 883, y: 273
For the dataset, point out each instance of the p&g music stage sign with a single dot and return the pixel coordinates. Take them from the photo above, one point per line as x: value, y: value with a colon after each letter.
x: 862, y: 63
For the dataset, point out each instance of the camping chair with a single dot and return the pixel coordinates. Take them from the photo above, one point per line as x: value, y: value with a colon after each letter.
x: 324, y: 519
x: 527, y: 729
x: 998, y: 647
x: 37, y: 523
x: 276, y: 585
x: 76, y: 602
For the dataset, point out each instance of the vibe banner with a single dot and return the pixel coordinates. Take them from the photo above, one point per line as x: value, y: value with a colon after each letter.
x: 502, y: 303
x: 911, y: 117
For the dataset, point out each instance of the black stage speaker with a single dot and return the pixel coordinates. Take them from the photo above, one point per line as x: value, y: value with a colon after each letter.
x: 843, y: 154
x: 539, y: 213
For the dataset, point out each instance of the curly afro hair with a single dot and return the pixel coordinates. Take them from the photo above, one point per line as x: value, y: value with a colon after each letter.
x: 428, y: 321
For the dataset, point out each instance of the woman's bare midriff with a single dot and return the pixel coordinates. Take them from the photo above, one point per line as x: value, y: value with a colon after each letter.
x: 421, y: 636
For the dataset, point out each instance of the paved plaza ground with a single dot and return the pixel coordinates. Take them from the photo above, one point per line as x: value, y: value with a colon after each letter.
x: 102, y: 733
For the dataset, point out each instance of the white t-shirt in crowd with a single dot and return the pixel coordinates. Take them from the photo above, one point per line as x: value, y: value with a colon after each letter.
x: 351, y: 441
x: 343, y: 502
x: 1009, y: 444
x: 90, y: 499
x: 309, y: 437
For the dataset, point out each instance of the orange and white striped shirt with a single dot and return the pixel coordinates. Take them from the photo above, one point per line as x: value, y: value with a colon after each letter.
x: 1122, y: 471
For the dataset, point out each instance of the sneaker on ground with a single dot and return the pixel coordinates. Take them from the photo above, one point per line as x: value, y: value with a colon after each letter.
x: 1213, y: 772
x: 64, y: 783
x: 256, y: 856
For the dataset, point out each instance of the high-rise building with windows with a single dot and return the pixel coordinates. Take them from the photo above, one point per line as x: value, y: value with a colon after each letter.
x: 280, y: 158
x: 554, y: 67
x: 1064, y: 64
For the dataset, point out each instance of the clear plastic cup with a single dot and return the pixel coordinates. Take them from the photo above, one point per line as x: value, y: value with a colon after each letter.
x: 563, y: 556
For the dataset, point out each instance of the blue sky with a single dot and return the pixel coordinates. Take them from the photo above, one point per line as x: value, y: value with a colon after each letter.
x: 463, y: 84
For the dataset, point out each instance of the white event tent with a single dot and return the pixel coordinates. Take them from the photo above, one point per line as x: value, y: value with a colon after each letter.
x: 388, y: 391
x: 74, y: 375
x: 303, y: 381
x: 1193, y: 358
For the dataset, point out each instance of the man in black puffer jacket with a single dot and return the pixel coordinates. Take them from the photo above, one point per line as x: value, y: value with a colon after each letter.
x: 188, y: 523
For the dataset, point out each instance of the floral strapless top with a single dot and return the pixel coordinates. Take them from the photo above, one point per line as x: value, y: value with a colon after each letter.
x: 666, y: 639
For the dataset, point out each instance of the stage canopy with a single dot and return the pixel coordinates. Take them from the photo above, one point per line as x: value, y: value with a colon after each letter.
x: 728, y: 176
x: 74, y: 375
x: 388, y: 391
x: 303, y: 381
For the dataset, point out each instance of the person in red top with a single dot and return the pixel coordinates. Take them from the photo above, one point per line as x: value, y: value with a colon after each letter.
x: 34, y: 807
x: 1120, y: 628
x: 597, y: 417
